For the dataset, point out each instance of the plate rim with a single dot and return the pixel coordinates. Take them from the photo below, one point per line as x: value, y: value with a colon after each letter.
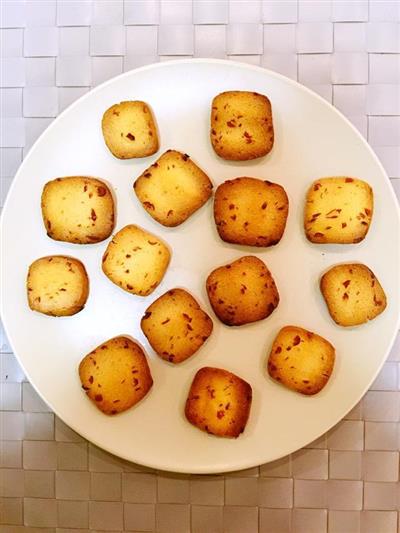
x: 211, y: 61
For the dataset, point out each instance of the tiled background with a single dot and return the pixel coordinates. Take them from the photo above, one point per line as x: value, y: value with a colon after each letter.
x: 55, y: 51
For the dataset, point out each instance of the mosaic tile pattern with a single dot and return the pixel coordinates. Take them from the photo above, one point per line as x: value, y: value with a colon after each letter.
x: 51, y: 480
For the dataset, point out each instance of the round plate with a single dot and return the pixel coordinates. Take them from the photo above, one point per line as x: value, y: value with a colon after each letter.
x: 311, y: 140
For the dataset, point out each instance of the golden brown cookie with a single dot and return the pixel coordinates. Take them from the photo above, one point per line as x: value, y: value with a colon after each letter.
x: 353, y: 294
x: 175, y: 326
x: 338, y: 210
x: 301, y: 360
x: 136, y: 260
x: 243, y: 291
x: 173, y: 188
x: 219, y: 402
x: 57, y: 285
x: 129, y: 130
x: 241, y: 125
x: 250, y: 211
x: 78, y: 209
x: 115, y: 375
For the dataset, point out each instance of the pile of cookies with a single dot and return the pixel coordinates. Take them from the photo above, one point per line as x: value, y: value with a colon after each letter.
x: 247, y: 211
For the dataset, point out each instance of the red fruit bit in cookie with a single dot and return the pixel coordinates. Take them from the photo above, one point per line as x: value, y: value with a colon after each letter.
x: 220, y: 414
x: 98, y: 398
x: 130, y: 137
x: 93, y: 215
x: 296, y: 340
x: 346, y: 283
x: 101, y: 191
x: 348, y: 180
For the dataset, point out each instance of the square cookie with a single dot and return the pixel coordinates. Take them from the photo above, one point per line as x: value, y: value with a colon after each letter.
x: 136, y: 260
x: 241, y: 125
x: 250, y: 211
x: 175, y: 326
x: 338, y: 210
x: 173, y: 188
x: 301, y: 360
x: 353, y: 294
x: 78, y: 209
x: 115, y: 375
x: 129, y: 130
x: 243, y: 291
x: 57, y: 285
x: 219, y: 402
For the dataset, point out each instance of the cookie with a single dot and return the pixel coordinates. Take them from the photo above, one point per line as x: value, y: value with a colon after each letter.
x: 250, y: 211
x: 241, y: 125
x: 301, y: 360
x: 173, y: 188
x: 136, y: 260
x: 353, y: 294
x: 129, y: 130
x: 115, y: 375
x: 57, y: 285
x: 338, y: 210
x: 78, y: 209
x: 175, y: 326
x: 219, y: 402
x: 243, y: 291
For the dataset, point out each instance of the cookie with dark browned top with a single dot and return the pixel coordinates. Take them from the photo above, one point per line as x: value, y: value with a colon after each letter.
x: 338, y: 210
x: 243, y: 291
x: 176, y: 326
x: 173, y: 188
x: 57, y: 285
x: 301, y: 360
x: 353, y: 294
x: 129, y: 130
x: 78, y: 209
x: 250, y: 211
x: 241, y: 125
x: 219, y: 402
x: 115, y: 375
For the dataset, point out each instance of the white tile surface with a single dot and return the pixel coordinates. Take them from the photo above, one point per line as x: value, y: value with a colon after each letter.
x: 174, y: 39
x: 76, y: 13
x: 350, y: 99
x: 384, y: 68
x: 384, y: 131
x: 11, y: 102
x: 275, y: 11
x: 12, y: 72
x: 11, y: 42
x: 384, y: 10
x: 108, y: 12
x: 244, y: 39
x: 279, y: 38
x: 40, y: 102
x: 350, y: 37
x: 141, y: 40
x: 354, y: 11
x: 350, y: 67
x: 104, y: 68
x: 107, y: 40
x: 210, y: 12
x: 40, y: 71
x: 12, y: 133
x: 141, y: 12
x: 315, y: 10
x: 10, y: 159
x: 315, y: 68
x: 12, y: 14
x: 210, y: 40
x: 74, y: 41
x: 383, y: 37
x: 40, y: 42
x: 73, y: 71
x: 314, y: 37
x: 41, y: 13
x: 285, y: 64
x: 383, y: 99
x: 244, y: 11
x: 176, y: 12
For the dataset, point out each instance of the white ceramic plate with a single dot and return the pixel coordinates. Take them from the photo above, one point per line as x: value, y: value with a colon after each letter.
x: 311, y: 140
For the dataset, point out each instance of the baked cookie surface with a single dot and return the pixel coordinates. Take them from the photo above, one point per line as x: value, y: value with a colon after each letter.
x: 250, y: 211
x: 338, y: 210
x: 353, y: 294
x: 129, y: 130
x: 243, y: 291
x: 78, y: 209
x: 241, y: 125
x: 301, y: 360
x: 115, y: 375
x: 218, y: 402
x: 136, y: 260
x: 173, y: 188
x: 57, y: 285
x: 175, y: 326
